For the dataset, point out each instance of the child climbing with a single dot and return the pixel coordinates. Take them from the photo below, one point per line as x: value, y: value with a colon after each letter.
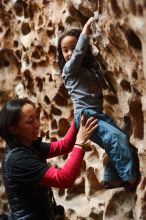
x: 83, y: 82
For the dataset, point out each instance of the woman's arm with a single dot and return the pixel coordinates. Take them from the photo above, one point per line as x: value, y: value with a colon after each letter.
x: 64, y: 146
x: 65, y: 177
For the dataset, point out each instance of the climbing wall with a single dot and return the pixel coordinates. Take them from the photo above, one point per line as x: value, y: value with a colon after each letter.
x: 29, y: 32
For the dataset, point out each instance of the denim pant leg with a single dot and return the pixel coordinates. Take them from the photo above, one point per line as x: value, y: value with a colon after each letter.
x: 9, y: 217
x: 117, y: 147
x: 110, y: 173
x: 115, y: 143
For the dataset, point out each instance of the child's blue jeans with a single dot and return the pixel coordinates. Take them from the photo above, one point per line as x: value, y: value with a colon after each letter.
x: 115, y: 142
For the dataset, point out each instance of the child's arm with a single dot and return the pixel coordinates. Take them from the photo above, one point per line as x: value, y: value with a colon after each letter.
x: 72, y: 66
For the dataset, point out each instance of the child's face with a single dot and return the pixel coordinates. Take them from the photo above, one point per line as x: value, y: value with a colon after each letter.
x: 68, y: 44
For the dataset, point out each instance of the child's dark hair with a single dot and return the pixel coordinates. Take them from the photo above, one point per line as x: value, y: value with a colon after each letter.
x: 88, y: 59
x: 10, y: 116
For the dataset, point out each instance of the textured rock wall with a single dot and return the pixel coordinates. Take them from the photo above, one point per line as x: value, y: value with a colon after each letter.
x: 28, y: 37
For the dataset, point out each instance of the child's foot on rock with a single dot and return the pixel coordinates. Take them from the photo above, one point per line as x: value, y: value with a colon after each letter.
x: 131, y: 186
x: 113, y: 184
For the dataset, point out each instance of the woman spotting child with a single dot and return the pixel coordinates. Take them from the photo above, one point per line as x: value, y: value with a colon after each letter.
x: 83, y: 82
x: 28, y: 177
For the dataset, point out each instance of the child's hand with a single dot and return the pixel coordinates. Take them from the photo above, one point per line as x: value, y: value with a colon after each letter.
x: 86, y: 29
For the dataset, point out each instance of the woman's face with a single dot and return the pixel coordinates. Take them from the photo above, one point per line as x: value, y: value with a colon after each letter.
x: 27, y: 129
x: 68, y: 45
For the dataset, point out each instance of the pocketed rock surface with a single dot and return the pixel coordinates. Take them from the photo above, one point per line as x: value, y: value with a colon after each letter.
x: 29, y: 31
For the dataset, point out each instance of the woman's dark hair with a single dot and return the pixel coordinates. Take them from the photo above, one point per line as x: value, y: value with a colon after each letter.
x: 88, y: 59
x: 9, y: 116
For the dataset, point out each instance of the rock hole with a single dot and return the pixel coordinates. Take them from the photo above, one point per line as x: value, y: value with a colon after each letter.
x: 132, y: 7
x: 111, y: 99
x: 136, y: 92
x: 61, y: 28
x: 52, y: 49
x: 25, y: 28
x: 140, y: 10
x: 15, y: 43
x: 55, y: 111
x: 47, y: 100
x: 60, y: 100
x: 19, y: 7
x: 134, y: 75
x: 128, y: 128
x: 53, y: 124
x: 135, y: 108
x: 76, y: 190
x: 125, y: 85
x: 133, y: 40
x: 29, y: 79
x: 36, y: 54
x: 63, y: 126
x: 116, y: 9
x: 39, y: 84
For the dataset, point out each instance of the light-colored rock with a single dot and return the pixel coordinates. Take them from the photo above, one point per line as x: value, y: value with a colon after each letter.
x: 29, y: 31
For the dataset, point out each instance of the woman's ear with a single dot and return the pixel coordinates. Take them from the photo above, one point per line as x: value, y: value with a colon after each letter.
x: 13, y: 130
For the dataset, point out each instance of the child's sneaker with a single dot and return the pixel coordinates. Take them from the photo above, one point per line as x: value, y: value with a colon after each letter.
x: 131, y: 186
x: 113, y: 184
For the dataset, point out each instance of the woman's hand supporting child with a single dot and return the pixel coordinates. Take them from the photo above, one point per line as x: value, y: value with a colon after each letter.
x: 86, y: 130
